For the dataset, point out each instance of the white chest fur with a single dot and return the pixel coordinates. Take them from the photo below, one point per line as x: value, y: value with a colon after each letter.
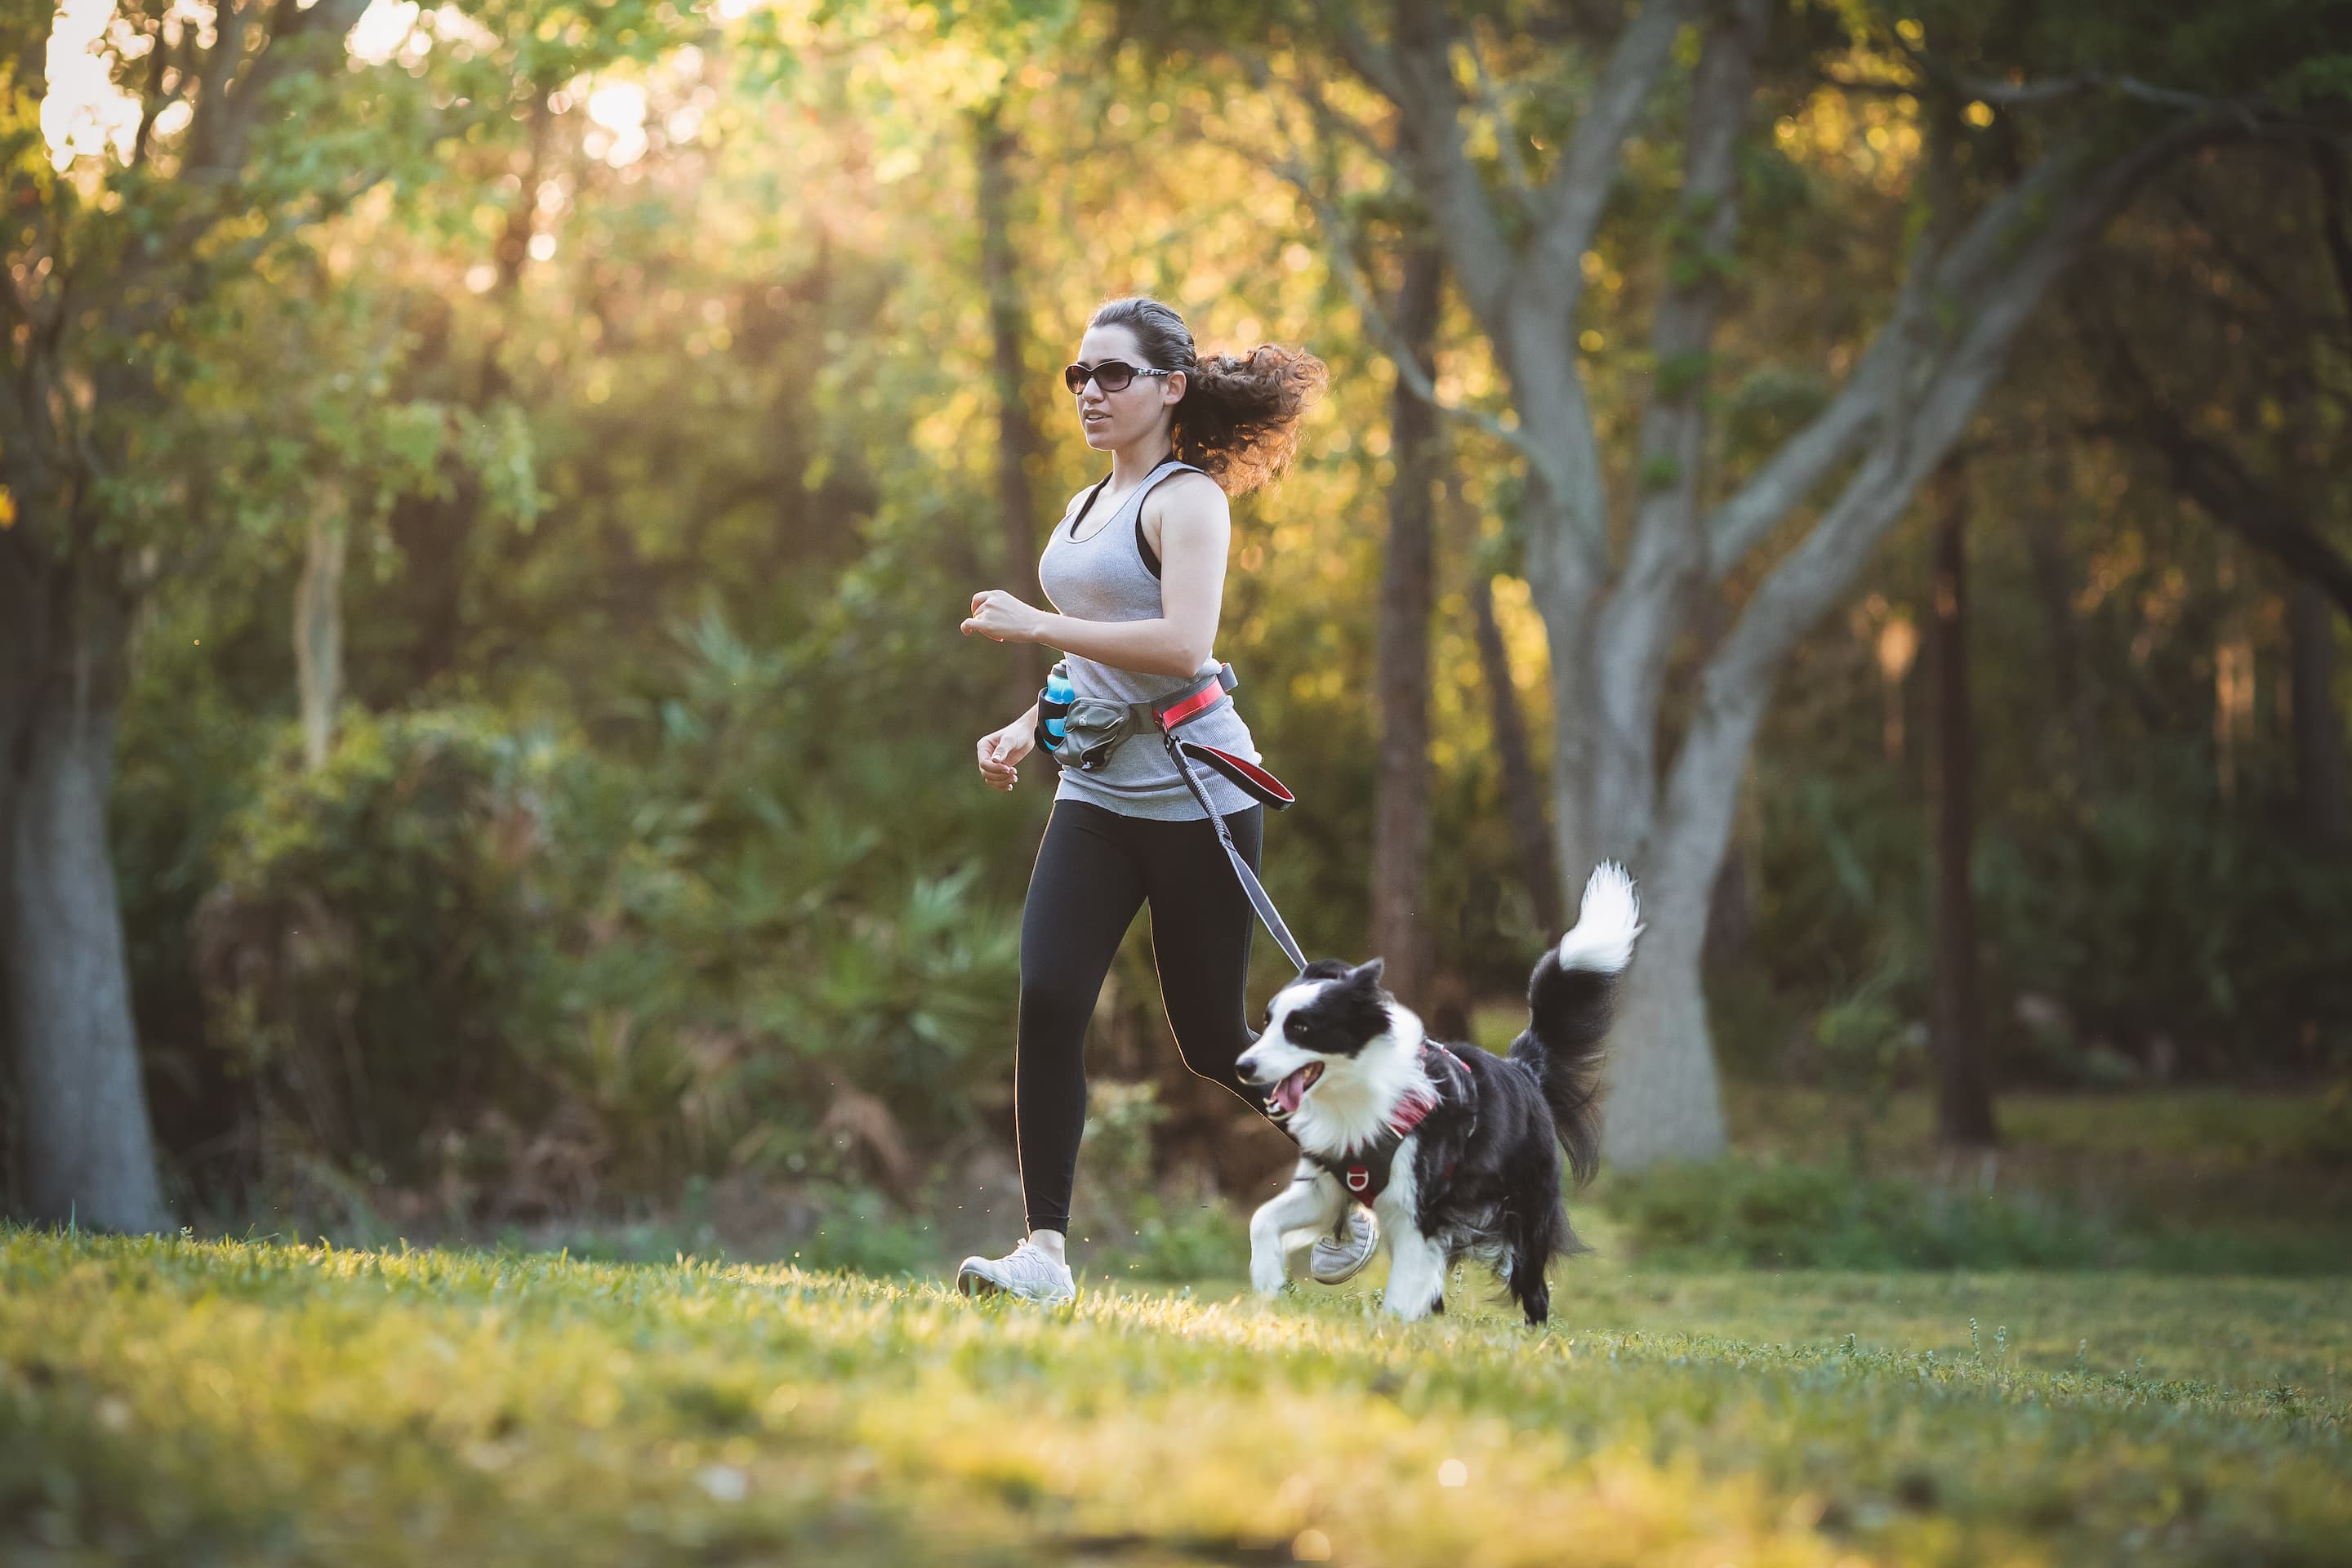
x: 1354, y: 1101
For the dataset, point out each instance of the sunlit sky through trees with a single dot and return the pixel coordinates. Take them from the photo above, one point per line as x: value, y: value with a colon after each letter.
x: 85, y: 113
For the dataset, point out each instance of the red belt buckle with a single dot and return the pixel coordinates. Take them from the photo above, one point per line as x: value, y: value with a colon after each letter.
x: 1203, y: 698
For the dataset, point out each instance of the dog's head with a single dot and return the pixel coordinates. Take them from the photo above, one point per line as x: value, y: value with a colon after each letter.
x: 1321, y: 1021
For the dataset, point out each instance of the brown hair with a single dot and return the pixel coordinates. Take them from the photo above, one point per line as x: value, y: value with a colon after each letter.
x: 1238, y: 419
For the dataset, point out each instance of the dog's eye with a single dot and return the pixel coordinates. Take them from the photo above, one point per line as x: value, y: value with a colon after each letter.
x: 1294, y: 1029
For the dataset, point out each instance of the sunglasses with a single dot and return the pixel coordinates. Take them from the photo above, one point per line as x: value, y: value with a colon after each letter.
x: 1111, y: 376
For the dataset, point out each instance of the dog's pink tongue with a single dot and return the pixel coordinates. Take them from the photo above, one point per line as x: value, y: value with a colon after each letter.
x: 1286, y: 1092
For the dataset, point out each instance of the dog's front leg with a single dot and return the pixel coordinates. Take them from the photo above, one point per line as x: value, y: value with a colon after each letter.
x: 1311, y: 1202
x: 1416, y: 1271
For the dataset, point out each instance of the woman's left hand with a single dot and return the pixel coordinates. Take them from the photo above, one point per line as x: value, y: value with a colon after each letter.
x: 998, y: 615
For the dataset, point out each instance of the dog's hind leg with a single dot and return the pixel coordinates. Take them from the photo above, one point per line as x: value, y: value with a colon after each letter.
x: 1311, y: 1204
x: 1536, y: 1240
x: 1530, y: 1287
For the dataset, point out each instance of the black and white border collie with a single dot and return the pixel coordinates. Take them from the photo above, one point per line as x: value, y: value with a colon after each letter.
x: 1456, y: 1150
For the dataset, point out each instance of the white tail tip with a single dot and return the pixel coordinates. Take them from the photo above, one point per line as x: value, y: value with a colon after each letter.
x: 1606, y: 923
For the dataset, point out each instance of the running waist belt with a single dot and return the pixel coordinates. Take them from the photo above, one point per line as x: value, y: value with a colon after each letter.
x: 1167, y: 716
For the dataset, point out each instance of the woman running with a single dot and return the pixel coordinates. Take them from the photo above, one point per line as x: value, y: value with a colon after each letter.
x: 1137, y: 566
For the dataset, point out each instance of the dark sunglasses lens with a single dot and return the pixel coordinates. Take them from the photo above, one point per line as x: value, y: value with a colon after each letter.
x: 1111, y: 376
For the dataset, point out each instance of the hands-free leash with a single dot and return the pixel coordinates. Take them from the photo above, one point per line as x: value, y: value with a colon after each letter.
x: 1087, y: 731
x: 1254, y: 781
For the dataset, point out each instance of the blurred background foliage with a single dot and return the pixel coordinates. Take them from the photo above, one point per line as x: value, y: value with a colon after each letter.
x: 649, y: 865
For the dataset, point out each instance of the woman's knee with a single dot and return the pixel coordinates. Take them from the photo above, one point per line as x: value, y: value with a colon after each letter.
x: 1053, y: 1010
x: 1212, y: 1057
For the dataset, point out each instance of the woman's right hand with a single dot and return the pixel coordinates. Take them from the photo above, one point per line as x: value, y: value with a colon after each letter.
x: 1001, y: 754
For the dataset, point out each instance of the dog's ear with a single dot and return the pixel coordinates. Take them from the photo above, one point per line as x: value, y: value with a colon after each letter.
x: 1325, y: 969
x: 1366, y: 974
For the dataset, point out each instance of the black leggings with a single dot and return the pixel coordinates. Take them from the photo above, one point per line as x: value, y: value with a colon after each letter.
x: 1094, y: 867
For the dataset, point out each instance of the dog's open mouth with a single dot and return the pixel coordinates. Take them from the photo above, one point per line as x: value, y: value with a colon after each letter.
x: 1292, y: 1090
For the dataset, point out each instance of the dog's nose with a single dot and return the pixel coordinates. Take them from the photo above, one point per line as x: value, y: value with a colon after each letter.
x: 1247, y: 1071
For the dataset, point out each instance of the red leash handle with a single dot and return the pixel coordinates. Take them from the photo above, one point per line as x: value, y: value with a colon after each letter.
x: 1254, y: 781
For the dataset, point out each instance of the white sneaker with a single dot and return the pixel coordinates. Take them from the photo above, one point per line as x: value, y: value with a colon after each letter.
x: 1334, y: 1261
x: 1028, y: 1271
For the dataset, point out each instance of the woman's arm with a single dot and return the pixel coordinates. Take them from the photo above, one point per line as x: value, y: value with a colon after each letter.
x: 1195, y: 527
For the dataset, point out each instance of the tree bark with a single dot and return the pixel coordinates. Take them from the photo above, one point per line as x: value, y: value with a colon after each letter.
x: 21, y: 622
x: 1400, y: 930
x: 1964, y: 1114
x: 1017, y: 440
x: 318, y: 627
x: 2319, y: 780
x: 87, y: 1153
x: 1514, y: 250
x: 1522, y: 790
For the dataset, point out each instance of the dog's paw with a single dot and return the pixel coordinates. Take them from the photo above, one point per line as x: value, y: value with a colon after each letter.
x: 1406, y: 1310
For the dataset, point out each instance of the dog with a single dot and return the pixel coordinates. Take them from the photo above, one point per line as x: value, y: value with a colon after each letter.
x: 1458, y: 1150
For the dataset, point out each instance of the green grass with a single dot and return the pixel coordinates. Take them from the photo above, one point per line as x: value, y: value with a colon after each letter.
x: 188, y: 1402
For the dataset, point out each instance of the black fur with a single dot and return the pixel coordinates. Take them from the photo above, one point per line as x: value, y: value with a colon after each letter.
x: 1488, y: 1174
x: 1341, y: 1021
x: 1487, y: 1164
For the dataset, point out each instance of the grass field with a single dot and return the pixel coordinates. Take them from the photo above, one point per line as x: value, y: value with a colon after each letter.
x: 183, y: 1401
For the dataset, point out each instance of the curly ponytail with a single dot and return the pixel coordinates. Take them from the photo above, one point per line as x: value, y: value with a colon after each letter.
x: 1238, y: 420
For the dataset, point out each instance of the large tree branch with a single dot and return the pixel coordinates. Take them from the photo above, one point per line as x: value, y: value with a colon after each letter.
x: 1667, y: 550
x: 2214, y: 477
x: 1409, y: 368
x: 222, y: 131
x: 1980, y: 263
x: 1332, y: 122
x: 2221, y: 484
x: 1577, y: 192
x: 1420, y: 61
x: 1339, y: 235
x: 1366, y: 58
x: 1507, y: 137
x: 2328, y: 160
x: 1948, y: 386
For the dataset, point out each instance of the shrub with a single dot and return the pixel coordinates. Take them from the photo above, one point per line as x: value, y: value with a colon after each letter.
x: 1783, y: 1215
x: 375, y: 957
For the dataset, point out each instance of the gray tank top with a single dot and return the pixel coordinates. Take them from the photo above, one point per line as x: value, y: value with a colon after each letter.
x: 1103, y: 576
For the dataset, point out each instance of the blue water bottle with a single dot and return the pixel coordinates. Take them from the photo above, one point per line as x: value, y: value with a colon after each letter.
x: 1054, y: 704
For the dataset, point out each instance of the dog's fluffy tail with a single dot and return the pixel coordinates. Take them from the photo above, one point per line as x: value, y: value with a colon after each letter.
x: 1570, y: 999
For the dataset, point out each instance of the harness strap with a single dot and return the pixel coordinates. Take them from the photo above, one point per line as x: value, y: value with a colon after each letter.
x: 1366, y: 1174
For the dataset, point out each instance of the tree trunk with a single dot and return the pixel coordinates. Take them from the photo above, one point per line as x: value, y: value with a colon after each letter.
x: 1017, y: 440
x: 2319, y: 782
x: 86, y: 1150
x: 1400, y: 930
x: 1956, y: 1013
x: 1665, y: 1099
x: 1522, y: 790
x: 1670, y: 1106
x: 1967, y: 292
x: 21, y: 622
x: 319, y: 628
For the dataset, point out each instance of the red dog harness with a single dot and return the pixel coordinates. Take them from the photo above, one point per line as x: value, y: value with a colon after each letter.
x: 1364, y: 1170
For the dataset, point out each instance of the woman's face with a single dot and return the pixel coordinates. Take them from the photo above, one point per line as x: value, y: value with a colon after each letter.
x: 1121, y: 419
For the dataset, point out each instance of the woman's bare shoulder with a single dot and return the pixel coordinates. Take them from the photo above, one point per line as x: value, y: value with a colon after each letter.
x: 1189, y: 495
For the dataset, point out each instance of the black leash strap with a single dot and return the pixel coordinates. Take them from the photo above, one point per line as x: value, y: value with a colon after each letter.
x: 1250, y: 884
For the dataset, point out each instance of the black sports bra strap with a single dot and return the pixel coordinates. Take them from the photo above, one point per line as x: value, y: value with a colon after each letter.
x: 1149, y: 559
x: 1088, y: 506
